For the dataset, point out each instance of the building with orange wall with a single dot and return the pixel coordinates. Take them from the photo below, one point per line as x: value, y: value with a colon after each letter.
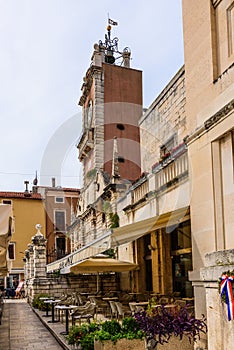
x: 28, y: 210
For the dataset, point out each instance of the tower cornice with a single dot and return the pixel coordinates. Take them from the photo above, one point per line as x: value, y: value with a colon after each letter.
x: 87, y: 84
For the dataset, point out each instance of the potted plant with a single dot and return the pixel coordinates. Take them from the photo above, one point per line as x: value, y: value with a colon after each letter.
x: 115, y: 336
x: 159, y: 324
x: 82, y: 337
x: 108, y: 335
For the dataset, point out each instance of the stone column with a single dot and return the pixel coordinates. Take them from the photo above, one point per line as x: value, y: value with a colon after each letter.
x: 31, y: 261
x: 26, y: 265
x: 39, y: 253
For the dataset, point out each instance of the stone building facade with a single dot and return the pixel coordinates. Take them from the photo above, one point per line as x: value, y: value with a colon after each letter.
x: 209, y: 80
x: 175, y: 212
x: 60, y: 207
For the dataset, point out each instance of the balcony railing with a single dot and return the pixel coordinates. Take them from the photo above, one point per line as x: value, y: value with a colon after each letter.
x: 140, y: 191
x: 167, y: 172
x: 172, y: 169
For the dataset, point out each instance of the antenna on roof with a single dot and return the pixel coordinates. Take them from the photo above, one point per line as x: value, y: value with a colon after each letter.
x: 35, y: 181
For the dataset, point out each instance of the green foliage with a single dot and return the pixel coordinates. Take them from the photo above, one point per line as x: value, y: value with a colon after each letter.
x: 83, y: 335
x: 108, y: 330
x: 131, y: 329
x: 39, y: 304
x: 106, y: 207
x: 110, y: 252
x: 114, y: 218
x: 111, y: 327
x: 91, y: 173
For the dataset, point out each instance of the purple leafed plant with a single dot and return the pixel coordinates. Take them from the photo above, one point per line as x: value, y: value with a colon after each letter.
x: 159, y: 324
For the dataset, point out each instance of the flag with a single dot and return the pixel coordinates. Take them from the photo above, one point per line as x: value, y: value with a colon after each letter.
x: 113, y: 23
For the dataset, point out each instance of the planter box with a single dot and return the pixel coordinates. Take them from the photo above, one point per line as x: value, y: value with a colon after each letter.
x: 134, y: 344
x: 137, y: 344
x: 176, y: 343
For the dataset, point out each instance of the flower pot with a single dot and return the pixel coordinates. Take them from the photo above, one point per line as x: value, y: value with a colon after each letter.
x: 137, y: 344
x: 176, y: 343
x: 126, y: 344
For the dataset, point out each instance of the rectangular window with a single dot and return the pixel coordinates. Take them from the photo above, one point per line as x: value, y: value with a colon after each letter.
x: 166, y: 148
x: 60, y: 220
x: 59, y: 199
x: 223, y: 35
x: 11, y: 251
x: 7, y: 201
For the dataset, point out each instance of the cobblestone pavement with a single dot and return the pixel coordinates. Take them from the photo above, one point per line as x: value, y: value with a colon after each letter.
x: 21, y: 329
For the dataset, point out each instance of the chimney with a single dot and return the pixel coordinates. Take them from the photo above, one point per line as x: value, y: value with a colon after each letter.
x: 26, y: 186
x: 53, y: 181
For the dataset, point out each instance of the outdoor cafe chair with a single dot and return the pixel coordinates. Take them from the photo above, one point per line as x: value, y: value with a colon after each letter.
x: 114, y: 310
x: 122, y: 310
x: 84, y: 313
x: 101, y: 305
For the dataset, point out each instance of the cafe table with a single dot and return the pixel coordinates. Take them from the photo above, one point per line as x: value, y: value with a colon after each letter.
x: 47, y: 305
x: 134, y: 305
x: 66, y: 308
x: 110, y: 298
x: 52, y: 302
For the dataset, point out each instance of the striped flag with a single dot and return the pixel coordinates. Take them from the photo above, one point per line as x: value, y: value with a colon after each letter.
x: 113, y: 23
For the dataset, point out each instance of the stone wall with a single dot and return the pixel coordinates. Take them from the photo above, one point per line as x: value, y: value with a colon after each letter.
x: 38, y: 282
x: 56, y: 286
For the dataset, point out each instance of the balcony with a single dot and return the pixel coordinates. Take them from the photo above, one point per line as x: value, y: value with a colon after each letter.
x: 85, y: 142
x: 171, y: 170
x: 167, y: 173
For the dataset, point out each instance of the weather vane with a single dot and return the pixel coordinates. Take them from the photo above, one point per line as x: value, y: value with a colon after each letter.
x: 111, y: 45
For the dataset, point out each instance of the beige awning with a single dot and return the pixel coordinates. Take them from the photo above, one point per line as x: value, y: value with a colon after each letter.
x: 131, y: 232
x: 97, y: 264
x: 121, y: 235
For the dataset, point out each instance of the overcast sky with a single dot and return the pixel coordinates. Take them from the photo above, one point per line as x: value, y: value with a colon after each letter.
x: 45, y: 50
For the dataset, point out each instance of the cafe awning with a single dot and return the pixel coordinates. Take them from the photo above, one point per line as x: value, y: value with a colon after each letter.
x: 100, y: 264
x: 115, y: 237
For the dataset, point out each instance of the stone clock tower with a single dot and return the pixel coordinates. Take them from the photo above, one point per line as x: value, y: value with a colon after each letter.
x: 111, y: 107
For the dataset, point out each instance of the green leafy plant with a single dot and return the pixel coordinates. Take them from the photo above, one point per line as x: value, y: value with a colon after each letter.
x: 83, y: 335
x: 112, y: 330
x: 108, y: 330
x: 39, y: 304
x: 91, y: 173
x: 114, y: 219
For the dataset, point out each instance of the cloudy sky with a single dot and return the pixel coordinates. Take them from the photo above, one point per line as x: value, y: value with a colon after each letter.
x: 45, y: 50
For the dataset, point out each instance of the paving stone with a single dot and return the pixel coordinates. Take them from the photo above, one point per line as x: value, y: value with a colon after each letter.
x: 22, y: 329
